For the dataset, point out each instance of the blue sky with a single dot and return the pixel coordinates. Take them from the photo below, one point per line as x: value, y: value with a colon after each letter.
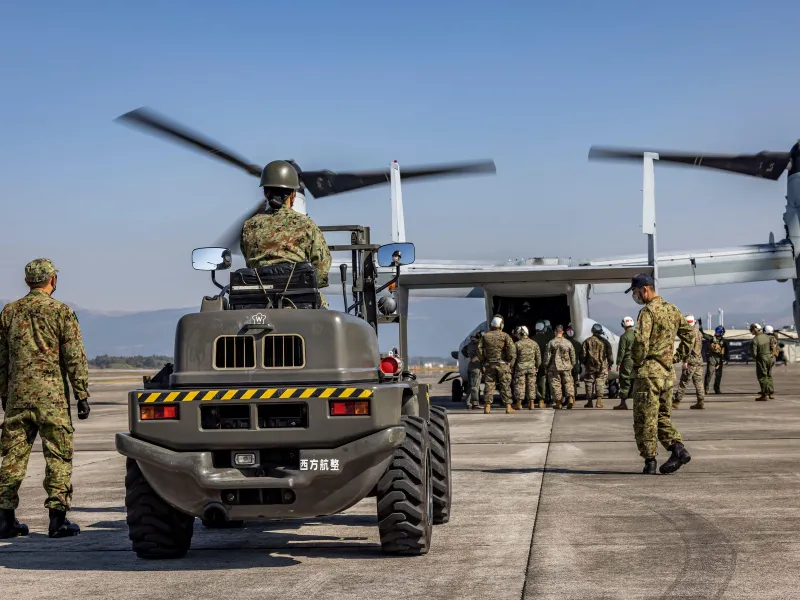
x: 354, y: 85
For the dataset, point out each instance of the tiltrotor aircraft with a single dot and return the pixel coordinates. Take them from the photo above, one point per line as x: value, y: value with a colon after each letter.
x: 556, y: 289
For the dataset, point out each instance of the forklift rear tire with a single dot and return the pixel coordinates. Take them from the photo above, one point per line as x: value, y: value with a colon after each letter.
x: 458, y: 390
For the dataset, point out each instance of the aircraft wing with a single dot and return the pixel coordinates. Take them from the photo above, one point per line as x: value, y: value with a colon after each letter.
x: 741, y: 264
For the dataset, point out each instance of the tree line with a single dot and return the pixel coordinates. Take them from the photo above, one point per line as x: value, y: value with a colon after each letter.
x: 104, y: 361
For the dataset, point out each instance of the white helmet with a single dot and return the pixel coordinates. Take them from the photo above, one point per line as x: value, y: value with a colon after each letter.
x: 756, y: 326
x: 523, y: 330
x: 768, y: 329
x: 690, y: 319
x: 497, y: 322
x: 627, y: 322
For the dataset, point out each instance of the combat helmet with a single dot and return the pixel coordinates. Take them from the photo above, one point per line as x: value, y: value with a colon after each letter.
x: 279, y: 179
x: 597, y: 329
x: 539, y: 327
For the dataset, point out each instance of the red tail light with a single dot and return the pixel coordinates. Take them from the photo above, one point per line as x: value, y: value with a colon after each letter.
x: 342, y: 408
x: 159, y: 412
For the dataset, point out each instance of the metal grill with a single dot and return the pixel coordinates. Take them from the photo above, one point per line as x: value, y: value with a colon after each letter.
x: 235, y: 352
x: 284, y: 351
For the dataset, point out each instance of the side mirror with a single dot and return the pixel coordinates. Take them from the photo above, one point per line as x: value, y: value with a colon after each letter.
x: 454, y: 354
x: 392, y: 255
x: 211, y: 259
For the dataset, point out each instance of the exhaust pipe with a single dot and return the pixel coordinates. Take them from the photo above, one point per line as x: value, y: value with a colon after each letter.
x: 214, y: 512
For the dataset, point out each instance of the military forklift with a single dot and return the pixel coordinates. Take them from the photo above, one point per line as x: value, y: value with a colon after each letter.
x: 278, y: 408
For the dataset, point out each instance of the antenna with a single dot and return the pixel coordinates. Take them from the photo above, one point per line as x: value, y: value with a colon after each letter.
x: 649, y: 211
x: 398, y: 220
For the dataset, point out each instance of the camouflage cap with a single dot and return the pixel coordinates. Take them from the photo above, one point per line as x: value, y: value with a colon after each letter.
x: 39, y: 270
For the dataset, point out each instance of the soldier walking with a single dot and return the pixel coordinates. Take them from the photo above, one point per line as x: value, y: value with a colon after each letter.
x: 761, y: 353
x: 692, y: 370
x: 542, y: 335
x: 40, y: 349
x: 497, y: 352
x: 559, y: 359
x: 774, y: 348
x: 717, y: 355
x: 625, y: 363
x: 528, y: 360
x: 596, y: 363
x: 653, y: 356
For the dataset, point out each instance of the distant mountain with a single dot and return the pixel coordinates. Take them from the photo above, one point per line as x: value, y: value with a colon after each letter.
x: 436, y: 326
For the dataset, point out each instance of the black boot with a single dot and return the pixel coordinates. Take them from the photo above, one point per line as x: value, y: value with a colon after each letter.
x: 649, y: 466
x: 9, y: 526
x: 679, y: 458
x: 60, y: 525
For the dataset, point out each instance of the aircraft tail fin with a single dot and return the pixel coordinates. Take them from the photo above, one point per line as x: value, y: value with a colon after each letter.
x: 398, y: 219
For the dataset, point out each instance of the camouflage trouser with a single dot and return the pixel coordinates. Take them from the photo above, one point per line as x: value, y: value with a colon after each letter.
x: 561, y: 385
x: 693, y: 373
x: 525, y: 383
x: 22, y: 425
x: 764, y: 374
x: 474, y: 394
x: 625, y: 380
x: 652, y: 407
x: 595, y: 383
x: 714, y: 368
x: 500, y: 374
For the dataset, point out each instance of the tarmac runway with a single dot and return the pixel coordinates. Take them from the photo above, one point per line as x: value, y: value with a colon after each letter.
x: 547, y: 504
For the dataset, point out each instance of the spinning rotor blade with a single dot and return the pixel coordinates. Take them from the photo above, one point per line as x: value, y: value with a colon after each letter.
x: 328, y: 183
x: 767, y: 165
x: 155, y: 123
x: 233, y: 234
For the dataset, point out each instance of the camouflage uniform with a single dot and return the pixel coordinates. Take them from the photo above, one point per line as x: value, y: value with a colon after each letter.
x: 774, y: 350
x: 497, y: 352
x: 283, y: 235
x: 653, y: 356
x: 717, y: 354
x: 576, y: 370
x: 625, y: 363
x: 693, y: 372
x: 559, y: 359
x: 474, y: 367
x: 596, y: 361
x: 40, y: 347
x: 760, y: 352
x: 529, y: 358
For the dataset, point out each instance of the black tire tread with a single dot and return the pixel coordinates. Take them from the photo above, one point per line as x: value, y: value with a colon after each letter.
x: 439, y: 429
x: 156, y: 529
x: 401, y: 494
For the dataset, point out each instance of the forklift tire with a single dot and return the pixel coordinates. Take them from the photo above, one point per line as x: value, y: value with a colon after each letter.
x: 441, y: 468
x: 156, y: 529
x: 458, y: 390
x: 405, y: 494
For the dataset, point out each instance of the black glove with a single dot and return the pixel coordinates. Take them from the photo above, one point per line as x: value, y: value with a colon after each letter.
x: 83, y: 409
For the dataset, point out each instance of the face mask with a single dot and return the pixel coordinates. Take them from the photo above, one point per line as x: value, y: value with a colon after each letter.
x: 637, y: 298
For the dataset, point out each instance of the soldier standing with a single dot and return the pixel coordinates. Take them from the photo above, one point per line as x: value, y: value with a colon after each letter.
x: 774, y: 349
x: 559, y: 358
x: 625, y: 363
x: 40, y: 348
x: 761, y: 353
x: 497, y: 353
x: 529, y: 358
x: 717, y: 355
x: 474, y: 368
x: 576, y: 370
x: 692, y: 370
x: 653, y: 356
x: 596, y: 363
x: 541, y: 336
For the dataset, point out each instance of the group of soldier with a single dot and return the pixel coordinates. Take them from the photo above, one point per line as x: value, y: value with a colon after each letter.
x: 542, y: 371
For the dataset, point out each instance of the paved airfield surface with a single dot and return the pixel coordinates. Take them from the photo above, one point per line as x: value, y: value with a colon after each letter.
x: 546, y: 505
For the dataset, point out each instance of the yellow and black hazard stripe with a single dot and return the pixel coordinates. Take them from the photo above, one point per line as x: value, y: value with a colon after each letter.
x: 253, y: 394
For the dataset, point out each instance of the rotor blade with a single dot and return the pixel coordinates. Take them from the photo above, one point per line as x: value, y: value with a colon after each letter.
x: 328, y: 183
x: 768, y: 165
x: 232, y: 235
x: 155, y: 123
